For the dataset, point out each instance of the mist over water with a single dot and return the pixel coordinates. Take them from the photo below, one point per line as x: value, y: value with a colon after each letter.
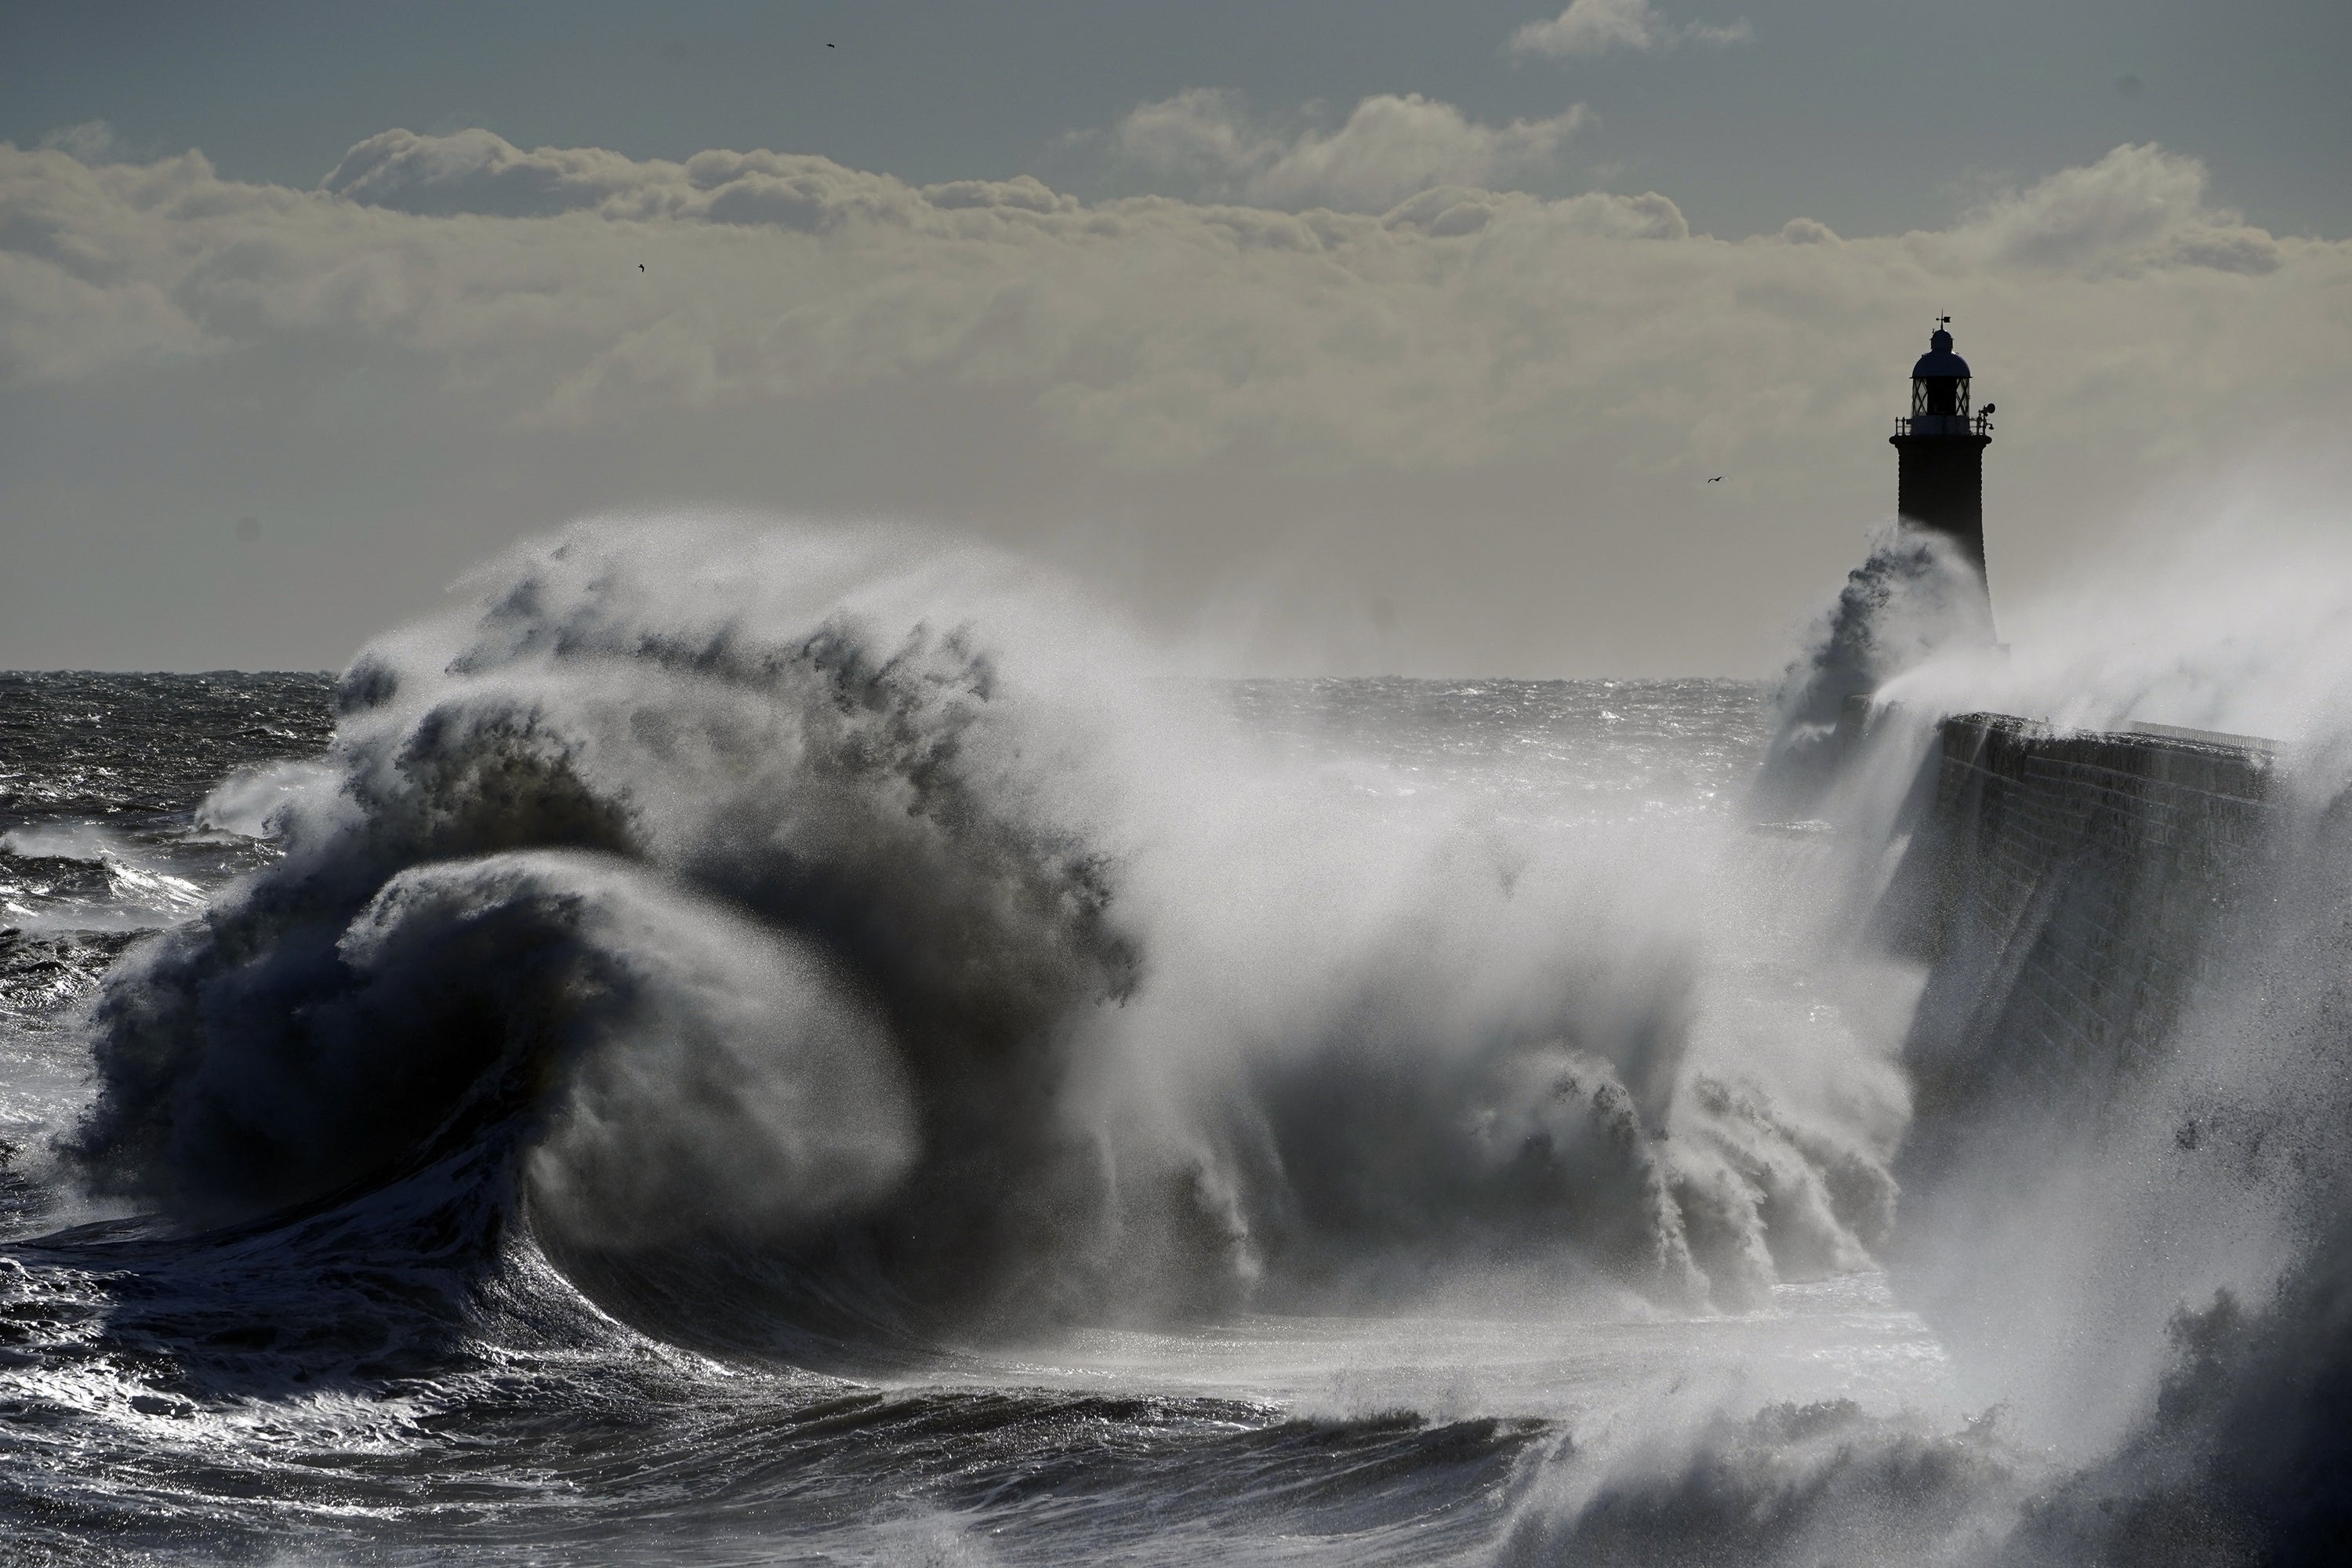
x: 830, y: 1025
x: 2141, y: 1258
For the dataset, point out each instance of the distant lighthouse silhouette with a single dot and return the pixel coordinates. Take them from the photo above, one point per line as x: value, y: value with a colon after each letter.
x: 1939, y: 450
x: 1904, y: 603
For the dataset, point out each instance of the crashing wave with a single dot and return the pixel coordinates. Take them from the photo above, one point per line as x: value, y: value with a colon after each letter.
x: 843, y: 943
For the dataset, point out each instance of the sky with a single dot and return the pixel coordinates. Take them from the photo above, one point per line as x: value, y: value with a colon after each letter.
x: 1321, y: 336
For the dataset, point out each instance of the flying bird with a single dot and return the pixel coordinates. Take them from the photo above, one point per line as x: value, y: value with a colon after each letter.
x: 1717, y: 480
x: 641, y: 266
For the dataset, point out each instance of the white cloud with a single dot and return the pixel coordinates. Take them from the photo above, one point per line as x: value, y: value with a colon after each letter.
x: 1390, y: 147
x: 1458, y: 325
x: 455, y: 323
x: 475, y: 172
x: 1596, y: 26
x: 2138, y: 208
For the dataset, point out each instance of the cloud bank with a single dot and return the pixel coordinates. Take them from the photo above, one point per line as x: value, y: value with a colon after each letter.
x: 1482, y: 405
x: 1458, y: 325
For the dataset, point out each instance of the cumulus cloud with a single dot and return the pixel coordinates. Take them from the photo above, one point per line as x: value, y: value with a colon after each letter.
x: 1438, y: 324
x: 476, y: 173
x: 1596, y: 26
x: 1392, y: 146
x: 2137, y: 208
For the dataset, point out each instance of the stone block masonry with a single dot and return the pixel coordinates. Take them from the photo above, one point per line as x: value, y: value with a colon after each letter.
x: 2066, y: 890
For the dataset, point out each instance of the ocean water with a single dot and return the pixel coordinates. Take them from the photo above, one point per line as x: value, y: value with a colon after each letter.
x: 816, y: 1058
x: 313, y: 1385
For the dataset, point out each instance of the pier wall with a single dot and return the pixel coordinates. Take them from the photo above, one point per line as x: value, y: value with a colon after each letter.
x: 2067, y: 890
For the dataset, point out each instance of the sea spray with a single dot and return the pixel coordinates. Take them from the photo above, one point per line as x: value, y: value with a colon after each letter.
x: 849, y: 943
x: 1915, y: 597
x: 2137, y: 1254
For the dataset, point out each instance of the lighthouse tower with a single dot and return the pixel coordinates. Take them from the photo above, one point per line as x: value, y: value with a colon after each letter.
x: 1940, y: 448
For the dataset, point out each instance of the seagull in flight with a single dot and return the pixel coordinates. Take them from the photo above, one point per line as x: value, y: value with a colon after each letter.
x: 641, y: 266
x: 1717, y: 480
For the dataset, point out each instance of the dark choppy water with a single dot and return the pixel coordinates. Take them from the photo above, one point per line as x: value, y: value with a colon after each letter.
x: 396, y: 1367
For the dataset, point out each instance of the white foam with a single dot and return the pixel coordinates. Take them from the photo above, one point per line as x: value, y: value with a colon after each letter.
x: 250, y: 802
x: 65, y: 841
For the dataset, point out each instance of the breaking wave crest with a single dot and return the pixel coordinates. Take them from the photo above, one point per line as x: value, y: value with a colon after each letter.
x: 816, y: 945
x: 1915, y: 598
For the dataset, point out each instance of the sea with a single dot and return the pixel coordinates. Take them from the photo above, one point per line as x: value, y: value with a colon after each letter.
x: 808, y: 1059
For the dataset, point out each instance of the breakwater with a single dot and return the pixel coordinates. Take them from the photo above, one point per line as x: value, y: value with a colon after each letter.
x: 2067, y: 890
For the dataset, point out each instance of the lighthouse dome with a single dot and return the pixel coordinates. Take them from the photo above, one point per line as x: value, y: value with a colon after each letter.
x: 1939, y: 363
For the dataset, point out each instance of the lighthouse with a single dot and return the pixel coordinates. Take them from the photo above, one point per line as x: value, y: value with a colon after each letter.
x: 1940, y: 448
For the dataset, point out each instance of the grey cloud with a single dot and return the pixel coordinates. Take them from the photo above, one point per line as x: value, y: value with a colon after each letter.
x: 1390, y: 147
x: 1023, y: 192
x: 477, y: 172
x: 1453, y: 210
x: 2232, y: 249
x: 2137, y: 208
x: 92, y: 141
x: 1459, y: 326
x: 1596, y: 26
